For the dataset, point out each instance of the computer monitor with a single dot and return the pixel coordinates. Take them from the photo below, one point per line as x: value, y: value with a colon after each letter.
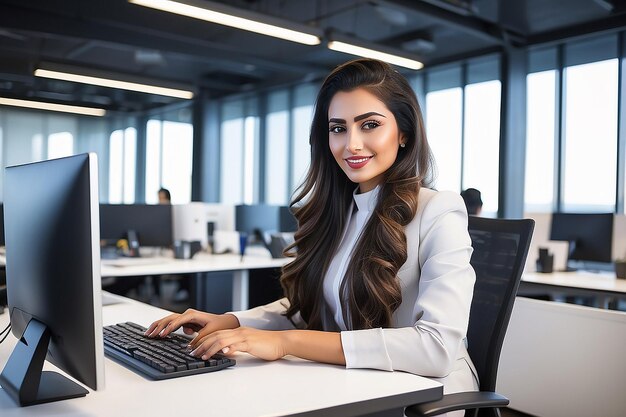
x: 257, y: 220
x: 53, y: 279
x: 151, y: 222
x: 199, y: 221
x: 287, y: 221
x: 590, y: 235
x: 221, y: 215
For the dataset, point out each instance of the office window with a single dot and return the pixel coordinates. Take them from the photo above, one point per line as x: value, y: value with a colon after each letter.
x: 37, y: 147
x: 481, y: 141
x: 250, y: 164
x: 239, y: 152
x: 177, y: 154
x: 153, y: 160
x: 122, y: 165
x: 276, y: 149
x: 60, y: 144
x: 231, y: 175
x: 302, y: 116
x: 35, y: 136
x: 590, y: 136
x: 116, y: 166
x: 61, y: 132
x: 169, y: 159
x: 540, y: 141
x: 443, y: 122
x: 130, y: 158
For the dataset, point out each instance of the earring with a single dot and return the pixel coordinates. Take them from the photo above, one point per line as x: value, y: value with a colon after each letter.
x: 402, y: 145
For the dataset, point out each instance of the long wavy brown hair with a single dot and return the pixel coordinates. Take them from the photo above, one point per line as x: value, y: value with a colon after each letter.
x: 370, y: 291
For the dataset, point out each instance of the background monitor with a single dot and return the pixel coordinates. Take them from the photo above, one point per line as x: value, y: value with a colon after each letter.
x: 221, y: 215
x: 287, y: 221
x: 152, y: 222
x: 591, y: 235
x: 190, y: 223
x: 255, y: 220
x: 53, y: 278
x: 199, y: 221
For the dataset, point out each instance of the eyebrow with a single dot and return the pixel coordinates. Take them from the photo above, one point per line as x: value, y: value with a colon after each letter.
x: 357, y: 118
x: 366, y: 115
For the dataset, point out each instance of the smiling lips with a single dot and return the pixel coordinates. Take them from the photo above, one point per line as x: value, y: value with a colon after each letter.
x: 357, y: 162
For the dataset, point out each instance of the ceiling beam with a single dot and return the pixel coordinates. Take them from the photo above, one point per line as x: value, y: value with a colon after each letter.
x: 469, y: 24
x: 608, y: 24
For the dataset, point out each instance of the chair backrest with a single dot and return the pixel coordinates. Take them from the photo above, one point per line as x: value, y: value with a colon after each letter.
x: 500, y: 249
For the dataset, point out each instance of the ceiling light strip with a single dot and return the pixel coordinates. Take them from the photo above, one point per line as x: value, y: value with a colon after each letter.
x: 371, y: 53
x: 231, y: 20
x: 105, y: 82
x: 41, y: 105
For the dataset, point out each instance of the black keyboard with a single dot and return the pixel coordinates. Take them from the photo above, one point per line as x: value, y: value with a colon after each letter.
x: 157, y: 358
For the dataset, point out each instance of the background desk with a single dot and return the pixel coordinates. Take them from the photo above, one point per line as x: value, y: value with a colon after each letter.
x: 604, y: 285
x: 251, y: 388
x: 203, y: 263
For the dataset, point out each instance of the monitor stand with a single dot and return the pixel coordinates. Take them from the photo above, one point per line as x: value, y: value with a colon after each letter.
x: 22, y: 377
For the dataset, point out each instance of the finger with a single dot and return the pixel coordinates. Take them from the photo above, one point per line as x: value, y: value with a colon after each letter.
x: 202, y: 334
x: 189, y: 317
x: 152, y: 326
x: 188, y: 330
x: 156, y: 327
x: 232, y: 349
x: 215, y: 343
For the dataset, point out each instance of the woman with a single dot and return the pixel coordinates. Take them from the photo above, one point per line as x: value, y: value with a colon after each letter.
x: 381, y: 277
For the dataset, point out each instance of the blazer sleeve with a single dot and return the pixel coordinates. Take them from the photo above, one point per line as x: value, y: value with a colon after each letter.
x: 269, y: 317
x: 446, y: 282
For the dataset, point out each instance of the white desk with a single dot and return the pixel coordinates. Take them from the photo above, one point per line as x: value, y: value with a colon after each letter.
x: 603, y: 285
x: 202, y: 263
x: 251, y: 388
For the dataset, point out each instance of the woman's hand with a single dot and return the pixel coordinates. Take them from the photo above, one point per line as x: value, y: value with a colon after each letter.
x: 192, y: 321
x: 264, y: 344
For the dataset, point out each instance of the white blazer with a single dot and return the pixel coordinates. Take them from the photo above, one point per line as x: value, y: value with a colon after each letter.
x: 429, y: 328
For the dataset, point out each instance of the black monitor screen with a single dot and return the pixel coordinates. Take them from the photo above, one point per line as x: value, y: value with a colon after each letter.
x: 590, y: 235
x: 53, y: 278
x: 153, y: 223
x: 257, y: 218
x: 288, y: 222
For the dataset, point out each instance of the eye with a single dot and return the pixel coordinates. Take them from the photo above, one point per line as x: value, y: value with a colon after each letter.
x: 370, y: 124
x: 337, y: 129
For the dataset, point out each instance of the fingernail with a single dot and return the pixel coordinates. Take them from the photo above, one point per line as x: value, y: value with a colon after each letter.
x: 225, y: 350
x: 204, y: 357
x: 193, y: 352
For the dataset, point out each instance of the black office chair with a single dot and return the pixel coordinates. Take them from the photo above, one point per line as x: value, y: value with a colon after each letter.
x: 500, y: 249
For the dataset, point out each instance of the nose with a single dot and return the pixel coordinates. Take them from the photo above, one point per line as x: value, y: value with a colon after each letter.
x: 354, y: 143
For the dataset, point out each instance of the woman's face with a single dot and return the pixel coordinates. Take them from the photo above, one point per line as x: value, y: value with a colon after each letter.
x: 363, y: 136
